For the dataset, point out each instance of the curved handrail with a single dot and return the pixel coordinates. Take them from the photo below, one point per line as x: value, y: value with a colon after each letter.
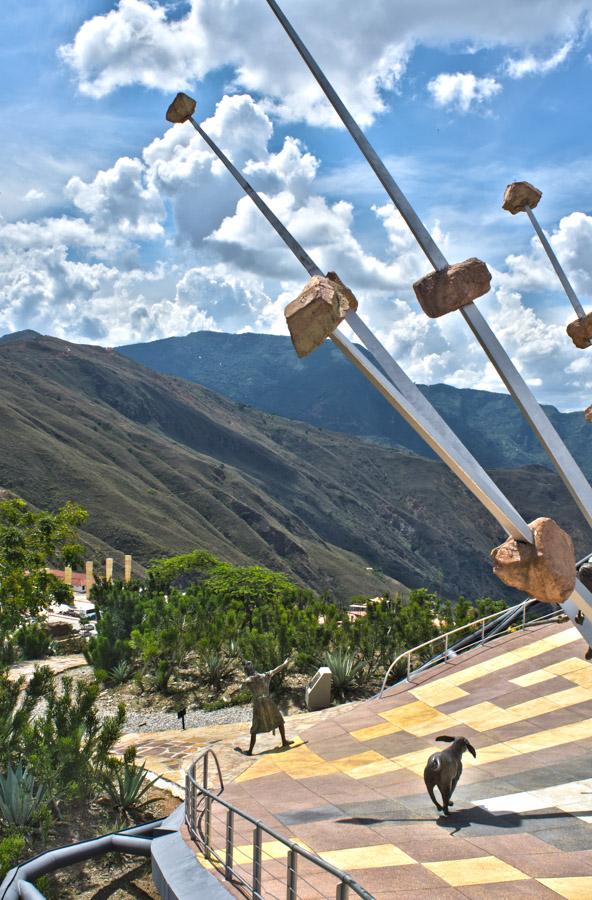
x: 445, y: 637
x: 345, y: 881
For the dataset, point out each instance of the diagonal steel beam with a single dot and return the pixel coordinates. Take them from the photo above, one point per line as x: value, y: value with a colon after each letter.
x: 401, y: 392
x: 560, y: 456
x: 404, y: 396
x: 565, y: 282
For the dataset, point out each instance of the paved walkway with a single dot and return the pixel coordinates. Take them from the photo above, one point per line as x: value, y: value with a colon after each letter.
x: 57, y: 664
x: 352, y: 788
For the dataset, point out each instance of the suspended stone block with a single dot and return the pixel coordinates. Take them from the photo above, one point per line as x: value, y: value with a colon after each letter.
x: 448, y: 289
x: 317, y: 311
x: 545, y: 569
x: 519, y: 195
x: 580, y: 331
x: 182, y: 107
x: 588, y: 414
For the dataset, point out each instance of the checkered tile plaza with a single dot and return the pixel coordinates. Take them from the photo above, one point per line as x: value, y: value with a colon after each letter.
x: 351, y: 787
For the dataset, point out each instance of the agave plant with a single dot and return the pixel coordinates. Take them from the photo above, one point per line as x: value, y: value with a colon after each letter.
x: 214, y: 667
x: 126, y: 785
x: 20, y: 796
x: 121, y: 672
x: 345, y: 669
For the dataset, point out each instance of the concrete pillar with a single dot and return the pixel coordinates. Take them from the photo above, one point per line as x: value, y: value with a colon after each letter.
x: 90, y: 578
x: 108, y: 569
x: 127, y: 567
x: 68, y: 575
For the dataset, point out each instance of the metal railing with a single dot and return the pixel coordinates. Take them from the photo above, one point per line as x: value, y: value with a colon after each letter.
x: 481, y: 638
x: 214, y: 825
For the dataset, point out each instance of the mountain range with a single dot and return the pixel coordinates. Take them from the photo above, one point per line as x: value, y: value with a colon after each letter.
x: 325, y: 390
x: 164, y: 465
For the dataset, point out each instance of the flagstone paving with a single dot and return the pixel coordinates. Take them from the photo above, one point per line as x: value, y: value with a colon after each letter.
x: 351, y: 788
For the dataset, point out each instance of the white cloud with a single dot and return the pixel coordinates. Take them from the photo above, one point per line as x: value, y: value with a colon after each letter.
x: 533, y: 65
x: 462, y: 90
x: 34, y: 194
x: 365, y: 55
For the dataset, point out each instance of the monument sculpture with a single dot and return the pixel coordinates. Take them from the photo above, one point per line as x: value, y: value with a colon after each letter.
x: 444, y: 769
x: 266, y: 713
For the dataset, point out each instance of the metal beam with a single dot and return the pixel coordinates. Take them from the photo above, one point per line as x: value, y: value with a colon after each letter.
x: 571, y: 294
x: 400, y: 392
x: 565, y: 464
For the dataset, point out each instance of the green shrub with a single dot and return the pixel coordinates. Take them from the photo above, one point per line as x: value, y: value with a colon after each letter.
x: 11, y: 848
x: 34, y: 641
x: 120, y: 673
x: 214, y: 666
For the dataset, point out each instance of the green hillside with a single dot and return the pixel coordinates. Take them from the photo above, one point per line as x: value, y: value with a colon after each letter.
x: 165, y: 466
x: 325, y: 390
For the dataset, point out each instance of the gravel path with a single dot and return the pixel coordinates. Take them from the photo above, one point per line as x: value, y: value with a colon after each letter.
x: 160, y: 720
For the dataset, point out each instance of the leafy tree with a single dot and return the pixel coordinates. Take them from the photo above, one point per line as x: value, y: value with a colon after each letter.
x: 29, y: 541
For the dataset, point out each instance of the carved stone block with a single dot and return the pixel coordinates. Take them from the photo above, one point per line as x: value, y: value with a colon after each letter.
x: 545, y: 570
x: 317, y: 311
x: 519, y: 195
x: 182, y: 107
x: 580, y: 331
x: 448, y: 289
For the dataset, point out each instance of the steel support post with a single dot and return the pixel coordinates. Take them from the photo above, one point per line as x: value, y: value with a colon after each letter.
x: 208, y: 826
x: 342, y: 892
x: 291, y: 887
x: 257, y: 841
x: 554, y: 446
x: 229, y: 855
x: 571, y: 294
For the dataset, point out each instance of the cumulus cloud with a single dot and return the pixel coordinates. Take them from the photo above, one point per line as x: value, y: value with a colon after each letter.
x: 143, y: 42
x: 462, y: 90
x: 34, y: 194
x: 533, y: 65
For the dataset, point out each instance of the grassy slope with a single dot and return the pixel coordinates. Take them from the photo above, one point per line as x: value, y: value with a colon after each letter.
x: 164, y: 466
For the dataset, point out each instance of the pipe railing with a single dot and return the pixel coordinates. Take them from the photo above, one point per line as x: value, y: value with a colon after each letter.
x: 482, y: 638
x: 201, y: 806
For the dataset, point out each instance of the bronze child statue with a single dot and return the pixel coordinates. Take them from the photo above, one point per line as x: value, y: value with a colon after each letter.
x: 266, y: 714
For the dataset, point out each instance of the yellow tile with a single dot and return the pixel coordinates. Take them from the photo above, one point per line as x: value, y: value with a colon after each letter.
x: 368, y: 857
x: 538, y: 706
x: 574, y: 888
x: 418, y: 718
x: 259, y: 769
x: 583, y: 677
x: 347, y: 763
x: 436, y: 694
x: 532, y: 678
x: 484, y: 716
x: 414, y: 761
x: 373, y: 768
x: 568, y: 665
x: 375, y: 731
x: 481, y: 870
x: 493, y: 753
x: 269, y: 850
x: 303, y: 763
x: 571, y: 696
x: 552, y: 737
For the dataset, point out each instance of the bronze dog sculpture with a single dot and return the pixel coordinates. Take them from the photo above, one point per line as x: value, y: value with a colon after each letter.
x: 443, y: 769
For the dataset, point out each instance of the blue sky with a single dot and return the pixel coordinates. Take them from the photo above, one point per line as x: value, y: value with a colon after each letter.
x: 116, y: 228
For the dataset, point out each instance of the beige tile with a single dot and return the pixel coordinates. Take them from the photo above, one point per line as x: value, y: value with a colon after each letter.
x: 418, y: 718
x: 375, y: 731
x: 575, y: 888
x: 532, y: 678
x: 480, y: 870
x: 567, y: 666
x: 379, y: 857
x: 437, y: 693
x: 485, y: 716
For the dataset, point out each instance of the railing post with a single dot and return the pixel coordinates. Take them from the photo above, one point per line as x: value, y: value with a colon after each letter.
x: 408, y: 665
x: 342, y: 891
x: 205, y: 771
x: 483, y: 631
x: 524, y: 616
x: 228, y: 859
x: 291, y: 893
x: 208, y: 825
x: 257, y: 862
x: 446, y: 646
